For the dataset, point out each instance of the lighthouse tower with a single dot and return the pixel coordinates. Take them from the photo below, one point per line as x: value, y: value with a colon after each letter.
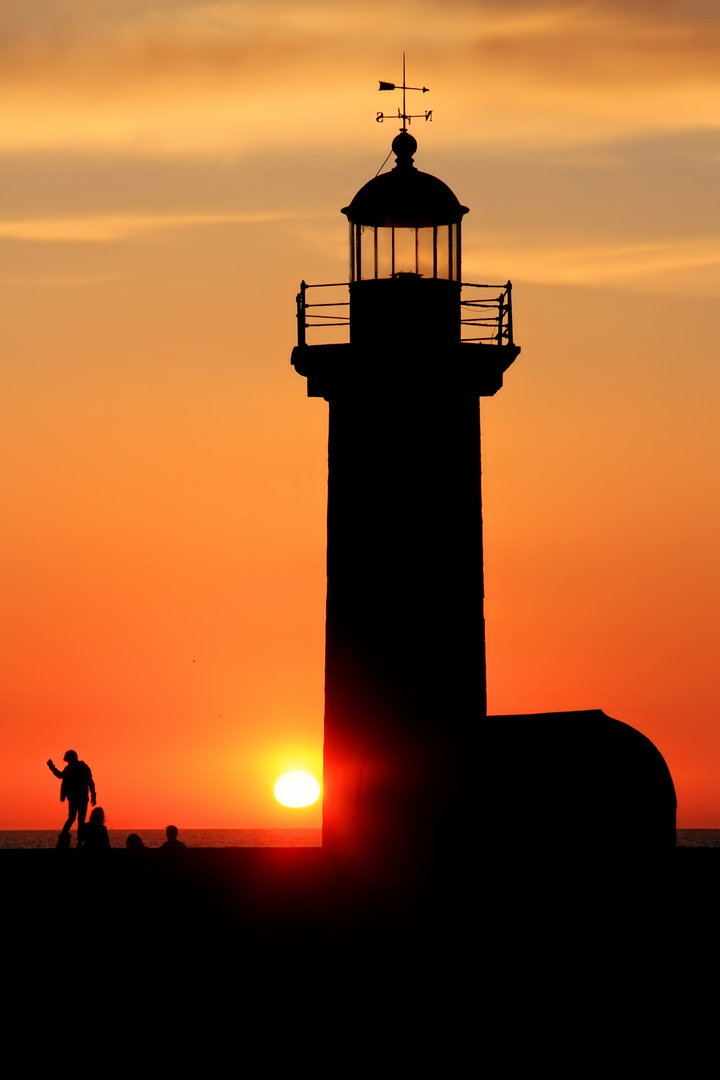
x: 405, y: 689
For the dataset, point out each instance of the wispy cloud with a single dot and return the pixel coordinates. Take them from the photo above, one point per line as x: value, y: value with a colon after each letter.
x: 104, y: 227
x: 598, y: 264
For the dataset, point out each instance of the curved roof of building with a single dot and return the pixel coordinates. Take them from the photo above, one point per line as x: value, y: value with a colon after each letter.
x: 405, y: 197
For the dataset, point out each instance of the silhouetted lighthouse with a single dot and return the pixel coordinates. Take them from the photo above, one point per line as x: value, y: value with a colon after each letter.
x: 414, y: 769
x: 405, y: 646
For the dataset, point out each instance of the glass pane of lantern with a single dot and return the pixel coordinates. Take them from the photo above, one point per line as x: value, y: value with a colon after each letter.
x: 367, y: 252
x: 425, y: 252
x: 453, y: 231
x: 443, y: 261
x: 384, y: 252
x: 405, y: 251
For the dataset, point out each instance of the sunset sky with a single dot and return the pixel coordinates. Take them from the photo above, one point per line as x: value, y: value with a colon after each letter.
x: 169, y: 171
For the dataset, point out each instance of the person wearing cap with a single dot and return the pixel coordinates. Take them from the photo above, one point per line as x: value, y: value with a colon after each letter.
x: 77, y: 783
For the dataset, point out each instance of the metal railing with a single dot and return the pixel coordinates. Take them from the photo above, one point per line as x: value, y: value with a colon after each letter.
x: 490, y: 313
x: 485, y: 317
x: 308, y: 318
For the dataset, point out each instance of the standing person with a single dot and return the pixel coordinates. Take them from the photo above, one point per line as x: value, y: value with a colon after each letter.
x: 77, y: 782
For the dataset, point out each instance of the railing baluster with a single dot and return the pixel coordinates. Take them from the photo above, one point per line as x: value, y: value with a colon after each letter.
x: 302, y: 324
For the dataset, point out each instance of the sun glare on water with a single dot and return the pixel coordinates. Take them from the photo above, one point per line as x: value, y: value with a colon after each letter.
x: 297, y: 789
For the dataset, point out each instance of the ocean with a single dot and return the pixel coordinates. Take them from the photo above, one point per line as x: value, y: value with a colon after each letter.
x: 698, y: 838
x: 153, y: 838
x: 236, y: 838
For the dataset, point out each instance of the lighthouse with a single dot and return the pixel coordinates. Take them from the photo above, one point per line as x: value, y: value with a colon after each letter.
x: 405, y: 687
x: 416, y: 773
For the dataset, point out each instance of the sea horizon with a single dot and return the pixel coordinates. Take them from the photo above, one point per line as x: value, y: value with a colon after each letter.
x: 33, y: 839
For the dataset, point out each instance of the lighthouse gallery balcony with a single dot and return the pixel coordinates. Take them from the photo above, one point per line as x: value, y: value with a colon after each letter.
x: 476, y: 340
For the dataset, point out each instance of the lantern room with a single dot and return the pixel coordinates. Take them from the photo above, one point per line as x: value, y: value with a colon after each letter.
x: 405, y: 222
x: 409, y: 315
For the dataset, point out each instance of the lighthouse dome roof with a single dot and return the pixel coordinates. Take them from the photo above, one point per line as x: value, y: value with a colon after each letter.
x: 405, y: 197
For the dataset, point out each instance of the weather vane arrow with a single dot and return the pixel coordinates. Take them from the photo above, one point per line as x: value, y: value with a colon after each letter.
x: 392, y: 86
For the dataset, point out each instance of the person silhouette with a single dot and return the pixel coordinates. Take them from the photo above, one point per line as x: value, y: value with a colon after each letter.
x: 95, y: 835
x: 172, y: 844
x: 77, y: 781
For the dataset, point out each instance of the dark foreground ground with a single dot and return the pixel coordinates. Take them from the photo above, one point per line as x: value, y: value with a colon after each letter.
x: 263, y: 958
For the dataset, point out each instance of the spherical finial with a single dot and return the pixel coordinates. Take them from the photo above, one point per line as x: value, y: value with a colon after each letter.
x: 404, y: 146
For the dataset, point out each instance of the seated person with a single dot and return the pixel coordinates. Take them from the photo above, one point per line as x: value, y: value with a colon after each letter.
x: 95, y: 835
x: 172, y: 844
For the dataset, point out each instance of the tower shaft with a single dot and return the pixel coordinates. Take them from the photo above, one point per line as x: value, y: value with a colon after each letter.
x: 405, y: 649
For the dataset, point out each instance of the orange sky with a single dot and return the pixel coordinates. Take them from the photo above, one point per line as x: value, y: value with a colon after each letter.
x: 169, y: 172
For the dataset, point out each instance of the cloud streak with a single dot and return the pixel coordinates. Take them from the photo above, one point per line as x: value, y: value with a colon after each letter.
x: 601, y: 264
x: 105, y: 227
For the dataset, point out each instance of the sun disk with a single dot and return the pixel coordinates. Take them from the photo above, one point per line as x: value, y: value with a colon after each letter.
x: 297, y: 789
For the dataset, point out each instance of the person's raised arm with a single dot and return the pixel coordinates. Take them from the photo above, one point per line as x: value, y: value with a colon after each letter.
x: 52, y: 769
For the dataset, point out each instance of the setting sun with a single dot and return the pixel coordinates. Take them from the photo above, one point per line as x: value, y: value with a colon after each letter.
x: 297, y: 789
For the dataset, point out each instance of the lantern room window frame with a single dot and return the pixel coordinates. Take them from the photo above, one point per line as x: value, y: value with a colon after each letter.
x: 437, y: 258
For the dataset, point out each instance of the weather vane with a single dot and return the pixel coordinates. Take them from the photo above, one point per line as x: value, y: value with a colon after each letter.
x: 404, y: 116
